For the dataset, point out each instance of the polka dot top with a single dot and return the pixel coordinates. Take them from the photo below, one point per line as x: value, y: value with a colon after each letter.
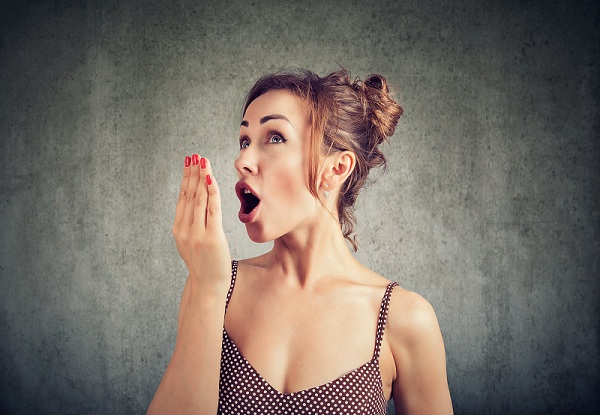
x: 242, y: 390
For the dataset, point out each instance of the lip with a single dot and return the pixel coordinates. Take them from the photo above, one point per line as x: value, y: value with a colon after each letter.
x: 239, y: 189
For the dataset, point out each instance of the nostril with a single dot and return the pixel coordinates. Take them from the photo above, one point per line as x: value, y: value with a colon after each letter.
x: 246, y: 165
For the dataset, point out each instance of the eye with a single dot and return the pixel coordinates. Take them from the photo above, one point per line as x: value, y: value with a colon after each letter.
x: 276, y: 138
x: 244, y: 143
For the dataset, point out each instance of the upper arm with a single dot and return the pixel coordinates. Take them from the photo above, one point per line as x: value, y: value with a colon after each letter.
x: 415, y: 339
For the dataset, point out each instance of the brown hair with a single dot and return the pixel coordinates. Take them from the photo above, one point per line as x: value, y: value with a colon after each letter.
x: 344, y: 115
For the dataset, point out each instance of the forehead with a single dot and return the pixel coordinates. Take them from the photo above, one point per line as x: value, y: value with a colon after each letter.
x: 277, y: 102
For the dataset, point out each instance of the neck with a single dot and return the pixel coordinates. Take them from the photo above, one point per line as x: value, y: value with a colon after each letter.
x: 308, y: 255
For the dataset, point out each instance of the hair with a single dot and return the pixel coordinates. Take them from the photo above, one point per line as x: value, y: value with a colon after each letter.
x: 345, y: 115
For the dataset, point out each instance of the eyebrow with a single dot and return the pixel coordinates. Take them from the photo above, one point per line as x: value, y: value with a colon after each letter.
x: 268, y: 118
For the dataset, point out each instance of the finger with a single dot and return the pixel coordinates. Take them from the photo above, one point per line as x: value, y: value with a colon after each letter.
x: 202, y: 195
x: 214, y: 214
x: 181, y: 199
x: 188, y: 216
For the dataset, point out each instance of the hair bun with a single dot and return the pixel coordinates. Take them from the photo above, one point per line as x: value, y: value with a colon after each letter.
x: 383, y: 111
x: 377, y: 82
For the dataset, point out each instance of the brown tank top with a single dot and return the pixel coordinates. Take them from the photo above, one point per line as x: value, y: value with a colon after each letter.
x: 242, y: 390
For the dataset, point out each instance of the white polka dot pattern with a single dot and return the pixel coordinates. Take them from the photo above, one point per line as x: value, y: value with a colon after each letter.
x: 242, y: 390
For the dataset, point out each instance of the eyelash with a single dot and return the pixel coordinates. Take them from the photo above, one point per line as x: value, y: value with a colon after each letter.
x: 273, y: 134
x: 245, y: 141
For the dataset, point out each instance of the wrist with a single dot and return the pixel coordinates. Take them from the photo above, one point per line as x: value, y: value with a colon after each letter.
x: 208, y: 292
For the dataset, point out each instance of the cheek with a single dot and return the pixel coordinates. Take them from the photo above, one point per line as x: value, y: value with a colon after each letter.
x: 291, y: 184
x: 291, y: 188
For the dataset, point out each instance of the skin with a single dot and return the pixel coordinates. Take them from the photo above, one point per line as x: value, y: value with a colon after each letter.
x: 305, y: 313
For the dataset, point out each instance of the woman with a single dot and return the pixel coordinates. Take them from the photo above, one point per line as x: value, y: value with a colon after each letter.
x: 307, y: 328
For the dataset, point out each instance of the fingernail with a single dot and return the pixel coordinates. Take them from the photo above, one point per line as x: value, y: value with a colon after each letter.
x: 188, y: 161
x: 195, y: 159
x: 208, y: 179
x: 203, y: 162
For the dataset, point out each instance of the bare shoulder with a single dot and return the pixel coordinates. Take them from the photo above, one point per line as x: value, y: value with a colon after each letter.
x: 370, y: 278
x: 412, y: 325
x: 411, y: 318
x: 415, y: 341
x: 409, y: 314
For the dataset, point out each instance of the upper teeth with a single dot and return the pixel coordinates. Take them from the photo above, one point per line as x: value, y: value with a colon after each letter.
x: 246, y: 191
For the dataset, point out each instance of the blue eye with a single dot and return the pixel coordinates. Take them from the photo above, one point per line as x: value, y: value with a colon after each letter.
x: 276, y: 139
x: 244, y: 143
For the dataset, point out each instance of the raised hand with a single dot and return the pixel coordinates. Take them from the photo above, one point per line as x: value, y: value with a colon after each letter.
x: 191, y: 380
x: 198, y: 228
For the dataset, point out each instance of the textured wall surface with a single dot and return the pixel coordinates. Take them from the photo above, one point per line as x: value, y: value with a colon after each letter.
x: 489, y: 208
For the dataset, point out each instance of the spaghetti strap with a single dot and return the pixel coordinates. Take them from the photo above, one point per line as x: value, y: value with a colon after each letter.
x: 383, y: 313
x: 234, y: 265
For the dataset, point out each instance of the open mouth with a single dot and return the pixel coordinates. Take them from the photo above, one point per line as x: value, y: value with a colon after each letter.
x: 249, y: 201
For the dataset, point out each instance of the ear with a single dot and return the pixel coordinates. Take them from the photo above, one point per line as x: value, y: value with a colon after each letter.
x: 338, y: 167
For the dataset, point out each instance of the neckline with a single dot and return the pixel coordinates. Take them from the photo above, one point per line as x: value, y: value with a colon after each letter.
x: 307, y: 390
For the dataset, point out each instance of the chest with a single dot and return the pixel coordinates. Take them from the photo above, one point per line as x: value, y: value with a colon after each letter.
x: 243, y: 390
x: 297, y: 343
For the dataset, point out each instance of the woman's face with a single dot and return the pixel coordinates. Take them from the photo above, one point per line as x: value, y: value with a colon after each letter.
x: 273, y: 166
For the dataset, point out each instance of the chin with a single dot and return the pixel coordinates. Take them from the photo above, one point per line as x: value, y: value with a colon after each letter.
x: 257, y: 234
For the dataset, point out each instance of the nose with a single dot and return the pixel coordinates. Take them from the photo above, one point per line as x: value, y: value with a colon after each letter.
x: 246, y: 163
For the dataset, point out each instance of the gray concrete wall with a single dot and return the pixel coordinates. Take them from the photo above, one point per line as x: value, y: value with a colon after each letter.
x: 489, y: 208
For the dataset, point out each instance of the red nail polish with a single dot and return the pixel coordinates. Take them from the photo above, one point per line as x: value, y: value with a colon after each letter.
x: 208, y: 179
x: 195, y: 159
x: 188, y: 161
x: 203, y: 162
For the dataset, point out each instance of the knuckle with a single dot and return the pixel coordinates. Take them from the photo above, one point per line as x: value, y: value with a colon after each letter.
x: 183, y: 237
x: 182, y: 194
x: 190, y: 197
x: 200, y: 200
x: 197, y: 244
x: 213, y: 210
